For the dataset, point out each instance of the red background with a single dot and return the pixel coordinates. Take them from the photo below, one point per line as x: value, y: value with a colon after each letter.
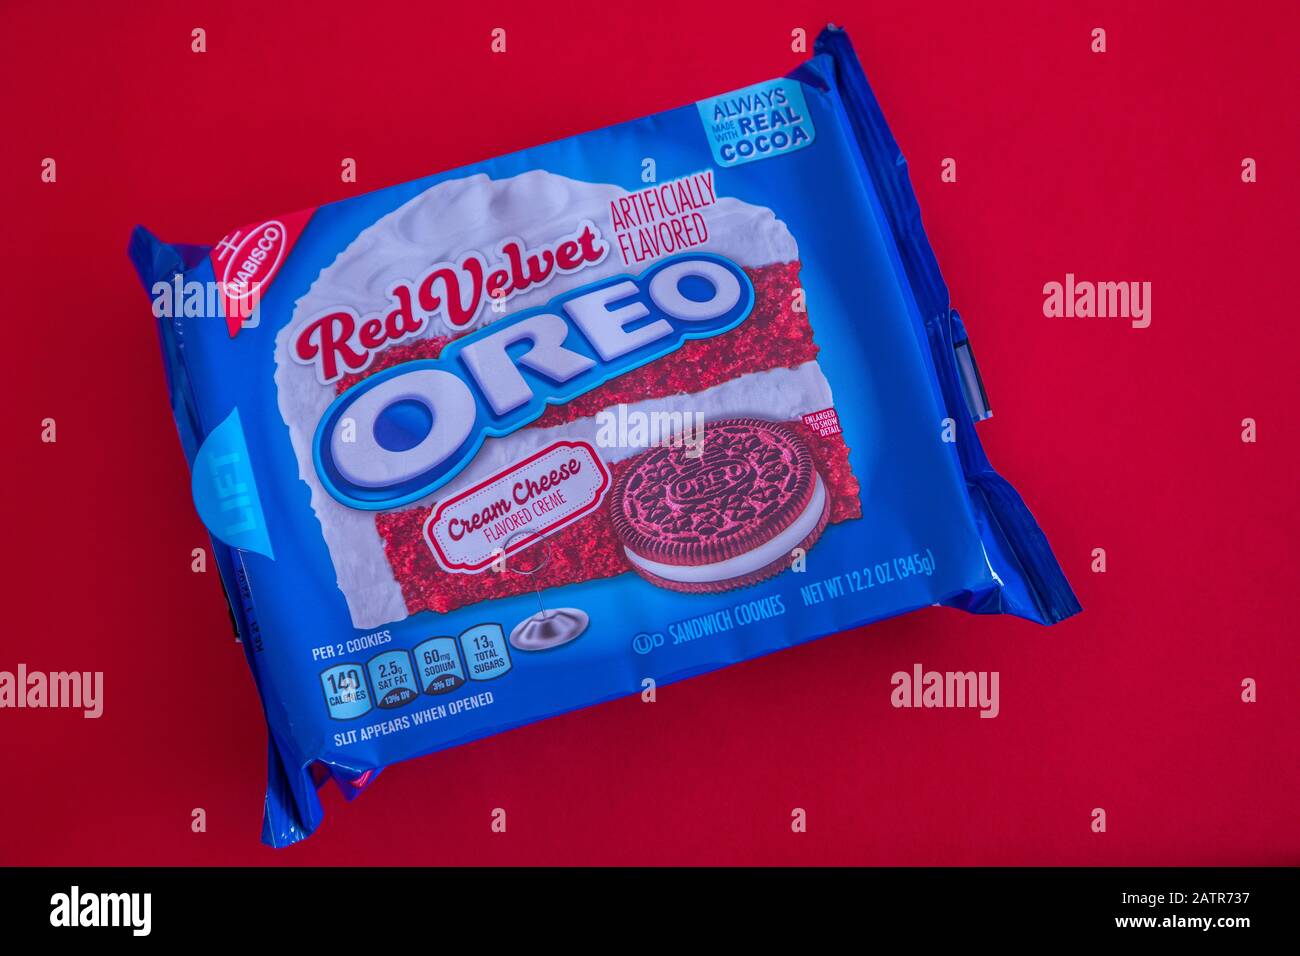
x: 1122, y: 166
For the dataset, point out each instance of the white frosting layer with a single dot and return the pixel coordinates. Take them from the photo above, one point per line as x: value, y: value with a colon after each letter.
x: 774, y: 550
x: 477, y: 214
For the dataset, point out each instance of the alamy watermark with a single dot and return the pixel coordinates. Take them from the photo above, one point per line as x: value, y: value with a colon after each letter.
x: 621, y: 427
x: 922, y: 688
x: 71, y: 690
x: 76, y: 909
x: 1082, y: 299
x: 179, y: 297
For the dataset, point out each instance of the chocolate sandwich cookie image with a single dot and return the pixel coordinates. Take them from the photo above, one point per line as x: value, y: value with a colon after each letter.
x: 725, y: 517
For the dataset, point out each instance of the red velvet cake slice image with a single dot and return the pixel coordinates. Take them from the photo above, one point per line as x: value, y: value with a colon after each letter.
x: 764, y: 370
x: 727, y: 518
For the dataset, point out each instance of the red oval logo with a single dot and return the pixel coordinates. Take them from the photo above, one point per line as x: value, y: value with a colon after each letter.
x: 254, y: 261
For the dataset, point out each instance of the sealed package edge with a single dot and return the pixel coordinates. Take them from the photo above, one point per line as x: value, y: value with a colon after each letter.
x: 501, y: 442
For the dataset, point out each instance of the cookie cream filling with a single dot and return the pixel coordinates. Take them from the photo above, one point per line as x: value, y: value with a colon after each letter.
x: 777, y: 549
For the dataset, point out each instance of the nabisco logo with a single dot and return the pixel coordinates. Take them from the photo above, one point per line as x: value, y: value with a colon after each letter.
x: 249, y: 260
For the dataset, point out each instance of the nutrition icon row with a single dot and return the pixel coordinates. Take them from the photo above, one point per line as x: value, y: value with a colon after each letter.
x: 395, y: 678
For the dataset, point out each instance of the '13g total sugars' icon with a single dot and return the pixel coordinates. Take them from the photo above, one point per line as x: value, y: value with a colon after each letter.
x: 645, y: 643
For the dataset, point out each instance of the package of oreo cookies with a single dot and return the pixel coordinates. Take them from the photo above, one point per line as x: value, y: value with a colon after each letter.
x: 505, y: 441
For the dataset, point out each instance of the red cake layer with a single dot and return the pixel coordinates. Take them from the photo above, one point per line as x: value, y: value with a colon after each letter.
x: 583, y: 551
x: 429, y: 348
x: 831, y: 456
x: 774, y: 336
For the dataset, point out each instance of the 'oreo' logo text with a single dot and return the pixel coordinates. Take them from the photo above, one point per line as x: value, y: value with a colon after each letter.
x: 413, y: 427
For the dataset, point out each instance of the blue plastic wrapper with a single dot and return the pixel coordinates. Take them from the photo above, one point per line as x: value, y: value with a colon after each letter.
x: 509, y: 440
